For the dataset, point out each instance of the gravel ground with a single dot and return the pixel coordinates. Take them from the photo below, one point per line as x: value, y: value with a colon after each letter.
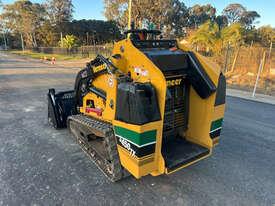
x: 42, y: 166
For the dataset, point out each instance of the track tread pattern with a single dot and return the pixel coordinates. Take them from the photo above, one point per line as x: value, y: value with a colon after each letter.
x: 111, y: 167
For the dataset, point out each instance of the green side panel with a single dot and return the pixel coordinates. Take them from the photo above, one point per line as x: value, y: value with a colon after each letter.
x: 137, y: 138
x: 216, y: 124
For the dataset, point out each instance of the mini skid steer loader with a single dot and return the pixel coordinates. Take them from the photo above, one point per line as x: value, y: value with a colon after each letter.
x: 153, y: 107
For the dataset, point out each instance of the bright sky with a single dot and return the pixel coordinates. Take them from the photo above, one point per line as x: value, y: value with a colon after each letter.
x: 93, y: 9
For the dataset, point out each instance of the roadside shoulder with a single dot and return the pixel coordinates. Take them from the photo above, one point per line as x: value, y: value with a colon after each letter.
x: 248, y: 96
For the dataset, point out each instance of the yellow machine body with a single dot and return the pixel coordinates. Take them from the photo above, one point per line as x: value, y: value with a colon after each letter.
x: 204, y: 116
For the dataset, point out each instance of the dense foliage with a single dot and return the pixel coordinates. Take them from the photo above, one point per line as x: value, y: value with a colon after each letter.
x: 93, y: 31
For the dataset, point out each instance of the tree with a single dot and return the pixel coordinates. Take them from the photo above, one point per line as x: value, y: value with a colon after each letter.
x: 221, y: 21
x: 24, y: 17
x: 60, y: 12
x: 116, y: 10
x: 199, y: 14
x: 266, y: 34
x: 93, y: 31
x: 237, y: 13
x: 169, y: 15
x: 234, y: 13
x: 1, y: 18
x: 177, y: 18
x: 212, y: 39
x: 157, y: 12
x: 143, y: 11
x: 46, y: 34
x: 232, y: 34
x: 207, y: 36
x: 69, y: 41
x: 249, y: 18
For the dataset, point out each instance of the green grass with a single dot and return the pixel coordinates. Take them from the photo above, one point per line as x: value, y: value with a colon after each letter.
x: 37, y: 55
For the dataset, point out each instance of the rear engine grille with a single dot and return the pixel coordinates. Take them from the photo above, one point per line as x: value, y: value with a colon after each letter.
x: 175, y: 115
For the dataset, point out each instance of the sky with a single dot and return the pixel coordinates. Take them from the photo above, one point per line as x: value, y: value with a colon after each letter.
x: 93, y: 9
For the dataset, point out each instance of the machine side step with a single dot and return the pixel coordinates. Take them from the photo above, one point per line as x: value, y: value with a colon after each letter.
x: 179, y: 152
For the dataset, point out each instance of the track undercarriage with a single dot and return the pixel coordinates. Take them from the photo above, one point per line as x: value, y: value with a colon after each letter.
x: 97, y: 140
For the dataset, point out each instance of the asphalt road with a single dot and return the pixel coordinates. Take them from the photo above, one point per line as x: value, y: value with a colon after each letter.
x: 42, y: 166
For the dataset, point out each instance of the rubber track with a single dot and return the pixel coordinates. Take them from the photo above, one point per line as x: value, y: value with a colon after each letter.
x: 79, y: 123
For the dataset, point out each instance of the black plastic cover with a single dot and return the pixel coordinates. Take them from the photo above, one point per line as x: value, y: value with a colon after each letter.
x: 167, y: 60
x: 137, y: 103
x: 198, y: 78
x: 221, y: 91
x: 60, y: 106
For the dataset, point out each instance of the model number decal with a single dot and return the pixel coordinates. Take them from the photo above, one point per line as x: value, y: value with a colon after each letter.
x: 127, y: 146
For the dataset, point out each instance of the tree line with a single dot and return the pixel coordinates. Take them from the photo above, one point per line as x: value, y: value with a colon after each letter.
x: 44, y: 24
x: 174, y: 15
x: 30, y: 25
x: 236, y: 24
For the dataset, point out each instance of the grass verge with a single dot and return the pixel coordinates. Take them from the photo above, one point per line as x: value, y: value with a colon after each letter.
x: 37, y: 55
